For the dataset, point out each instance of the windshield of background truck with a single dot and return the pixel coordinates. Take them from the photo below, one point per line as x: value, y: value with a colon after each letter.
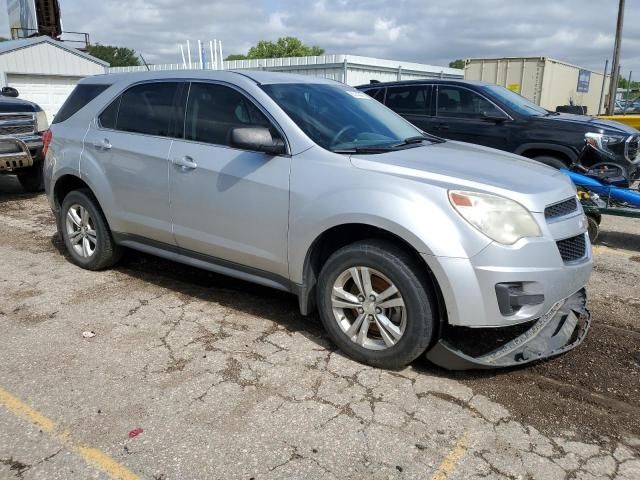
x: 514, y: 101
x: 339, y: 118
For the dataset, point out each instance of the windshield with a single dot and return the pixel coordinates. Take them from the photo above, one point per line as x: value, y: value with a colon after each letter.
x: 515, y: 102
x: 339, y: 118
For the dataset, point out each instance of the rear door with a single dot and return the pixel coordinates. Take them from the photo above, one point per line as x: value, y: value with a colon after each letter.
x: 68, y: 137
x: 413, y: 102
x: 130, y: 143
x: 461, y: 115
x: 228, y: 203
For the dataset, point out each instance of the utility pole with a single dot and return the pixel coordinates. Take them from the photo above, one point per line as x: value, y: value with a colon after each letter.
x: 604, y: 81
x: 613, y: 86
x: 628, y: 91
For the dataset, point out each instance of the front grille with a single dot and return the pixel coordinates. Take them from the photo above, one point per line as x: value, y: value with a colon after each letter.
x: 10, y: 117
x: 573, y: 248
x: 561, y: 209
x: 632, y: 148
x: 16, y: 130
x: 16, y: 124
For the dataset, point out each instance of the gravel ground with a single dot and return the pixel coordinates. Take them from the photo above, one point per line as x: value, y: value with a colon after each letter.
x: 226, y: 380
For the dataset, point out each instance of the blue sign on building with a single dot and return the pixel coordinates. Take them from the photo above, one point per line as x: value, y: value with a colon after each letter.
x: 584, y: 78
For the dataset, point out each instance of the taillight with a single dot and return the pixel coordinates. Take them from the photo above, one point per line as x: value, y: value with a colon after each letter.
x: 47, y: 136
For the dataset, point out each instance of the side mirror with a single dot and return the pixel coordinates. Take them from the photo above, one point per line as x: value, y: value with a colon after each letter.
x: 258, y: 139
x: 497, y: 117
x: 9, y: 92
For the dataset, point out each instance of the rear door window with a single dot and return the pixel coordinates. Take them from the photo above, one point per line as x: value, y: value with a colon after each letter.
x: 409, y: 99
x: 79, y: 97
x: 214, y: 110
x: 463, y: 103
x: 149, y: 108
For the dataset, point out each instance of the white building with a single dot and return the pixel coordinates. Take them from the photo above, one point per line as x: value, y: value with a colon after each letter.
x: 44, y: 70
x: 349, y: 69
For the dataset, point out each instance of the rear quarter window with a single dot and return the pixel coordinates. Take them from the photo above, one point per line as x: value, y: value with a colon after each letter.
x: 149, y: 108
x: 79, y: 97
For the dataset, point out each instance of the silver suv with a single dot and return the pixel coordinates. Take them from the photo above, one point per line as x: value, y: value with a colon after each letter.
x: 403, y: 241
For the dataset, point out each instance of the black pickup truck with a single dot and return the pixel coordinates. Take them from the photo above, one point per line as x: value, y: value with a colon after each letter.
x: 490, y: 115
x: 22, y: 126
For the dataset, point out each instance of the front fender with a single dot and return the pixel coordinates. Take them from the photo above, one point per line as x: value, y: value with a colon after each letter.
x: 418, y: 213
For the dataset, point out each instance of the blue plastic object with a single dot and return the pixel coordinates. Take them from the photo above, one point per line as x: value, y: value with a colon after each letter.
x: 624, y: 195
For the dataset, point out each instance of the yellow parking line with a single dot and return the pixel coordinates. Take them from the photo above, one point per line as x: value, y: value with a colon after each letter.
x: 90, y: 455
x: 450, y: 462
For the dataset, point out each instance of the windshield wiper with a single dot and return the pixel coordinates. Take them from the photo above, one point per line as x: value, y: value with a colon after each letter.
x: 391, y: 146
x: 550, y: 114
x: 420, y: 139
x: 372, y: 149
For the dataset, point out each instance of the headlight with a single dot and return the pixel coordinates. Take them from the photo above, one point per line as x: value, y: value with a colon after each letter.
x: 604, y: 142
x: 499, y: 218
x: 41, y: 121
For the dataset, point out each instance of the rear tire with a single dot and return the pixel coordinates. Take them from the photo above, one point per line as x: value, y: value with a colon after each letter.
x: 32, y: 178
x: 398, y: 327
x: 551, y: 161
x: 85, y: 232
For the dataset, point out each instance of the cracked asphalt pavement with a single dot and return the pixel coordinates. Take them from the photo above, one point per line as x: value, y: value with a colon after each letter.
x: 226, y: 380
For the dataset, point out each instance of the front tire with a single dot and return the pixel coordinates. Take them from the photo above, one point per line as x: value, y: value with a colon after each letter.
x: 551, y: 161
x: 86, y: 233
x: 375, y: 303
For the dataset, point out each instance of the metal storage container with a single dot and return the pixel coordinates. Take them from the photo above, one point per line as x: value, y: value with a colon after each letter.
x: 545, y: 81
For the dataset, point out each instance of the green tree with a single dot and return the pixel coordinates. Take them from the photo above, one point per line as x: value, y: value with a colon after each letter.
x: 623, y: 83
x: 2, y: 39
x: 459, y: 63
x: 115, y: 56
x: 283, y: 47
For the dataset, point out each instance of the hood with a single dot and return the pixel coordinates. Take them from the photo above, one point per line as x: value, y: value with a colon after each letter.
x: 593, y: 124
x: 458, y: 165
x: 16, y: 105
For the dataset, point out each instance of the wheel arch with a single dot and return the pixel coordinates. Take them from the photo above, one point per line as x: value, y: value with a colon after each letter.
x: 66, y: 184
x: 338, y: 236
x: 562, y: 152
x: 69, y: 182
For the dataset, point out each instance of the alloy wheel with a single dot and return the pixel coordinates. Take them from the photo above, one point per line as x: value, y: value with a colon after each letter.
x: 81, y: 230
x: 369, y: 308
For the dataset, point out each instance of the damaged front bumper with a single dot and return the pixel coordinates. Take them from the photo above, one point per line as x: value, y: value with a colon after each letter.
x: 562, y: 328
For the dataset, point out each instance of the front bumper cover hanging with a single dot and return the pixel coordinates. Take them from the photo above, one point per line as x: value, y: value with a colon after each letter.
x: 562, y: 328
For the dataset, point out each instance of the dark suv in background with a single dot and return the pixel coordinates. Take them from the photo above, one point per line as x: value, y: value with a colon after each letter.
x: 490, y: 115
x: 22, y: 127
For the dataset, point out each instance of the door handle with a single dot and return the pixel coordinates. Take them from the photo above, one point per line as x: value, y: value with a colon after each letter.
x: 103, y: 145
x: 186, y: 162
x: 443, y: 126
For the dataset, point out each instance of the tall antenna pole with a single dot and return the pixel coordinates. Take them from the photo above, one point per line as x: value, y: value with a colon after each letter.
x: 215, y: 54
x: 189, y: 53
x: 613, y: 86
x: 147, y: 65
x: 184, y: 60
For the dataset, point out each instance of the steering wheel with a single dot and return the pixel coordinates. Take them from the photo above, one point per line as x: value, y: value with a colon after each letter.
x: 337, y: 136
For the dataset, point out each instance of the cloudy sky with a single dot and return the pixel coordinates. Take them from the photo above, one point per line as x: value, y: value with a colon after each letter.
x: 427, y: 31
